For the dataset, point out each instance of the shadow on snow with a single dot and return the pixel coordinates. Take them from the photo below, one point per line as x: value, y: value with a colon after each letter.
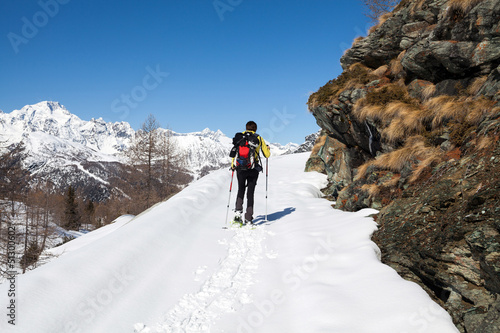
x: 273, y: 216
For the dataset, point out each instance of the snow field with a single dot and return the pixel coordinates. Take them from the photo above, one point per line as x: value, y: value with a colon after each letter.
x: 173, y: 268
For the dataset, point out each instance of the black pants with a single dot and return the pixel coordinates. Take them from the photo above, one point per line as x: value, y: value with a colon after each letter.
x: 246, y: 179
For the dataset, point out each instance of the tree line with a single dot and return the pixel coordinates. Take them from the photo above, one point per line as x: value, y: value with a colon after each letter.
x: 39, y: 211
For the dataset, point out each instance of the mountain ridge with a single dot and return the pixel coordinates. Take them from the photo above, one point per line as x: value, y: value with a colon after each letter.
x: 64, y: 149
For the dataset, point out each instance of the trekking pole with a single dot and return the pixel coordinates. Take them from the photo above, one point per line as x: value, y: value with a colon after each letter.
x: 267, y: 176
x: 229, y: 199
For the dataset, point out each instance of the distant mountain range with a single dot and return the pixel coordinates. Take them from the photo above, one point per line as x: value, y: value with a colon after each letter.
x: 65, y: 149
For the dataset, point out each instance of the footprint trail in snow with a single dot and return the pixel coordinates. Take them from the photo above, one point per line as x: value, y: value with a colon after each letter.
x: 222, y: 292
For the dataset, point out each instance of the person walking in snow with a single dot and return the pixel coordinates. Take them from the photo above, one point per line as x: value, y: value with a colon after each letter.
x: 246, y: 162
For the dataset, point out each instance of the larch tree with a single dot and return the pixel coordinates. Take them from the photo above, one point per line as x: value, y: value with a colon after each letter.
x: 376, y: 8
x: 158, y: 161
x: 143, y: 154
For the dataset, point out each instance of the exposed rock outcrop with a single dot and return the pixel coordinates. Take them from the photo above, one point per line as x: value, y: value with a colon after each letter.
x: 411, y: 127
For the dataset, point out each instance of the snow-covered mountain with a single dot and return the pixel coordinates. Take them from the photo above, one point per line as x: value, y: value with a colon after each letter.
x: 53, y: 119
x: 68, y: 150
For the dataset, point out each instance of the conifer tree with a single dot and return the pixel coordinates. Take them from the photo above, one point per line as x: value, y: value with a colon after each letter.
x: 14, y: 178
x: 89, y: 213
x: 71, y: 213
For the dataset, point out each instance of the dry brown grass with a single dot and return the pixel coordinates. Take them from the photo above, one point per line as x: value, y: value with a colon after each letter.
x: 356, y: 75
x: 414, y: 5
x: 432, y: 155
x: 417, y: 6
x: 391, y: 106
x: 386, y: 104
x: 380, y: 72
x: 407, y: 120
x: 395, y: 64
x: 392, y: 182
x: 444, y: 108
x: 477, y: 108
x: 357, y: 40
x: 485, y: 142
x: 354, y: 82
x: 397, y: 159
x: 386, y: 94
x: 362, y: 112
x: 357, y: 66
x: 469, y: 110
x: 371, y: 189
x: 320, y: 141
x: 399, y: 116
x: 362, y: 169
x: 474, y: 87
x: 414, y: 152
x: 462, y: 5
x: 374, y: 189
x: 381, y: 20
x: 429, y: 91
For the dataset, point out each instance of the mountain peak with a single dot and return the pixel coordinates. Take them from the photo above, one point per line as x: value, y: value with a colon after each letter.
x: 49, y: 106
x: 43, y: 110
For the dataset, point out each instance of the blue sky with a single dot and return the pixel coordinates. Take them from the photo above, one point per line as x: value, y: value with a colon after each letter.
x: 192, y: 63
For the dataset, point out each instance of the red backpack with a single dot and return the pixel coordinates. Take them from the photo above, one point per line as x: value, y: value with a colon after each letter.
x: 244, y: 149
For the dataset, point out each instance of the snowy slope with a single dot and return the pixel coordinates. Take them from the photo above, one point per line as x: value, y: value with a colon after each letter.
x: 174, y: 268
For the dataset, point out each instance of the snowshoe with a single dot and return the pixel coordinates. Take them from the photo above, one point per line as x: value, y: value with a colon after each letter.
x: 237, y: 220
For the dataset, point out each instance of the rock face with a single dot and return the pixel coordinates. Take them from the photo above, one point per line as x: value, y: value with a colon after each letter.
x: 443, y: 233
x: 411, y: 127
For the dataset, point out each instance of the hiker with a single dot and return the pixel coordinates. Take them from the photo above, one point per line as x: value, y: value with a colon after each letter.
x: 245, y: 154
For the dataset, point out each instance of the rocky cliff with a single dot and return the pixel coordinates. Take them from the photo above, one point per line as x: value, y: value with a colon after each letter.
x: 411, y: 128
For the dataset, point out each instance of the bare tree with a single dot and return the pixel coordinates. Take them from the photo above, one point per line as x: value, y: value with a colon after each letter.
x: 143, y: 153
x: 24, y: 212
x: 171, y: 166
x: 376, y: 8
x: 157, y: 159
x: 37, y: 228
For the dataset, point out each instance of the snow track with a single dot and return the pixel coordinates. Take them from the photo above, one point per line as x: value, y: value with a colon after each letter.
x: 224, y: 291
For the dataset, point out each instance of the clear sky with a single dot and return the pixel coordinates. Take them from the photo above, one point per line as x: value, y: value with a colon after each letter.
x: 191, y: 63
